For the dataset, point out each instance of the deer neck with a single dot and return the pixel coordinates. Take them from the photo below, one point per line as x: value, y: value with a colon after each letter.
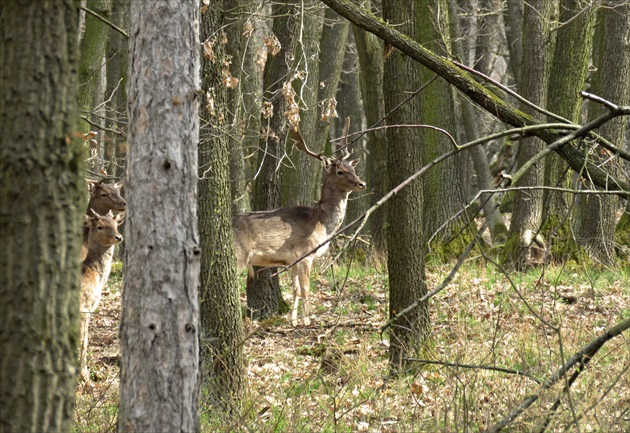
x: 99, y: 259
x: 332, y: 208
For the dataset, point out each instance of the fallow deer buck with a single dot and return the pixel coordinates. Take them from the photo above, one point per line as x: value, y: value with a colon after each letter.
x: 95, y: 269
x: 104, y: 197
x: 282, y: 236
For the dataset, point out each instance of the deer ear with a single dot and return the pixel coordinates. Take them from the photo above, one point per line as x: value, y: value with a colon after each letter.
x: 118, y: 185
x: 354, y: 162
x: 120, y: 219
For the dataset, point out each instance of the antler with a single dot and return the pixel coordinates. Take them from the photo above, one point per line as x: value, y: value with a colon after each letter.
x: 344, y: 139
x: 300, y: 144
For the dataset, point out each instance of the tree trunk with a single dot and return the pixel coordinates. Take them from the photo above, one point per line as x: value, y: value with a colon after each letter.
x: 443, y: 187
x: 513, y: 18
x: 370, y: 52
x: 245, y: 45
x: 525, y: 246
x: 159, y: 331
x: 264, y: 298
x: 92, y: 49
x: 41, y: 199
x: 594, y: 226
x: 117, y: 64
x: 405, y: 258
x: 568, y: 76
x: 220, y: 306
x: 302, y: 173
x: 496, y: 225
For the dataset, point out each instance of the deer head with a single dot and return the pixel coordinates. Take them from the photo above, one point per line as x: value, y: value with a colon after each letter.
x: 103, y: 228
x: 105, y: 197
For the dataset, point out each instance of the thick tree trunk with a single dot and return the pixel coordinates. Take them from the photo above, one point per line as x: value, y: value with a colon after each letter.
x: 221, y: 322
x: 159, y: 379
x: 41, y: 199
x: 596, y: 214
x: 525, y: 246
x: 568, y: 76
x: 443, y: 186
x: 405, y: 258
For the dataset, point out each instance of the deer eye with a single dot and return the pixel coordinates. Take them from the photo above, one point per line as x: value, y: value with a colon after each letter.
x: 104, y: 194
x: 99, y: 227
x: 339, y: 173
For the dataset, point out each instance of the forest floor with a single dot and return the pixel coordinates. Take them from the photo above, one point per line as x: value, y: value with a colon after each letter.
x: 333, y: 375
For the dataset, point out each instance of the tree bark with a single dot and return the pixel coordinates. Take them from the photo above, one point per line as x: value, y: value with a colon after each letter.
x: 159, y: 332
x: 302, y: 173
x: 370, y: 51
x: 458, y: 77
x: 594, y: 226
x: 525, y: 245
x: 220, y: 306
x: 568, y: 76
x: 405, y: 257
x: 41, y: 199
x: 117, y: 64
x: 264, y: 298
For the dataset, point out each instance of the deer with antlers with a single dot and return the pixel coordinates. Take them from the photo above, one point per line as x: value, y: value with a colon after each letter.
x: 281, y: 237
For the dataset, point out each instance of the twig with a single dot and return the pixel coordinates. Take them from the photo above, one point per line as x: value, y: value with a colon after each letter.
x: 476, y: 367
x: 582, y: 358
x: 109, y: 23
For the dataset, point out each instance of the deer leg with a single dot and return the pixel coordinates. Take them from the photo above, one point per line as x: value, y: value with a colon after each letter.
x: 304, y: 273
x: 84, y: 372
x: 296, y: 292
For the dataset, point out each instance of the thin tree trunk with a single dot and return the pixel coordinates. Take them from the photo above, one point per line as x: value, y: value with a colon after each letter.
x: 92, y: 48
x: 221, y: 322
x: 41, y: 203
x: 370, y: 52
x: 159, y: 331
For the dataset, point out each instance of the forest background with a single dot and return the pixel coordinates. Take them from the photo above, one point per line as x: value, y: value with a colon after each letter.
x: 481, y: 283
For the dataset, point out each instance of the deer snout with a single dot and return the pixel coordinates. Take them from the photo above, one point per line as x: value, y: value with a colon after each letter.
x: 118, y: 238
x: 360, y: 185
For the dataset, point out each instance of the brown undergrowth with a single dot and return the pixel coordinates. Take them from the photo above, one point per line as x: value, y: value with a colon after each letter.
x: 491, y: 344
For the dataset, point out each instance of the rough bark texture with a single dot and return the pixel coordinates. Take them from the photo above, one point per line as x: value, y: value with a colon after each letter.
x: 300, y: 182
x: 513, y: 18
x: 567, y: 78
x: 370, y: 52
x: 595, y: 220
x: 243, y: 119
x: 524, y: 245
x: 443, y: 187
x: 405, y: 258
x: 159, y: 381
x: 263, y: 292
x: 221, y: 322
x: 475, y: 91
x: 41, y: 195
